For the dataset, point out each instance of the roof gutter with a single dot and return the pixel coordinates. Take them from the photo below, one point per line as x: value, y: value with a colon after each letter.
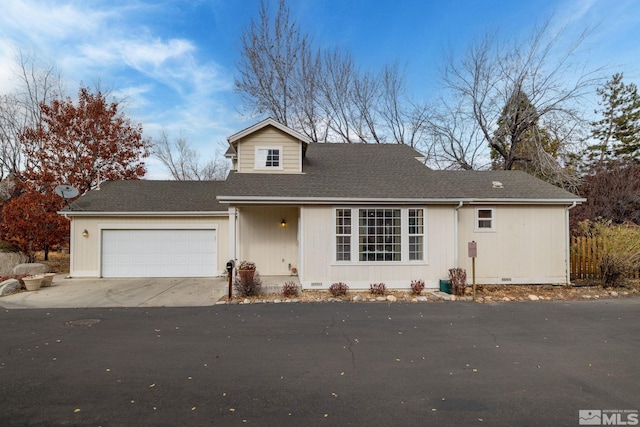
x: 67, y: 214
x: 351, y: 200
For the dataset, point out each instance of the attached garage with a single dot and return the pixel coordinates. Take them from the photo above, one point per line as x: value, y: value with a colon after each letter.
x: 159, y: 253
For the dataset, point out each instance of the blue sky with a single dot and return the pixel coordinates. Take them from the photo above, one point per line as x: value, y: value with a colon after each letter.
x: 173, y: 61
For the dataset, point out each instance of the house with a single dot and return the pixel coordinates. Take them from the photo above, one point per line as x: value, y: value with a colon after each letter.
x: 356, y: 213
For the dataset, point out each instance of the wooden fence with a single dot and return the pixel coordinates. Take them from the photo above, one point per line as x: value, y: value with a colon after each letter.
x: 585, y: 258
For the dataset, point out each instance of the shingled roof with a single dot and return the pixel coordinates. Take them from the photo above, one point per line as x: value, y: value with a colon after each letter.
x: 340, y: 173
x: 385, y: 172
x: 151, y: 196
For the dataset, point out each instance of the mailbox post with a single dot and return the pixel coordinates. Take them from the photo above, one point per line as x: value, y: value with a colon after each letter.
x: 230, y: 265
x: 473, y: 253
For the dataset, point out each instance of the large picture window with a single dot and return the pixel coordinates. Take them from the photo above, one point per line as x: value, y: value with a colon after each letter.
x: 380, y: 235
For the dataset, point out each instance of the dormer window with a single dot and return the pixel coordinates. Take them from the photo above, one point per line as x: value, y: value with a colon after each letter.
x: 268, y: 158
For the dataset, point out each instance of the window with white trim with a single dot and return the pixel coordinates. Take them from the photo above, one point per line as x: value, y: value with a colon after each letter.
x: 416, y: 235
x: 343, y: 235
x: 380, y: 235
x: 268, y: 158
x: 485, y: 219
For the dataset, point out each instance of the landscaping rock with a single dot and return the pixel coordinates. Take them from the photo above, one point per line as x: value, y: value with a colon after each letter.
x: 614, y: 294
x: 422, y: 299
x: 381, y: 299
x: 30, y: 269
x: 9, y: 286
x: 533, y: 297
x: 356, y: 298
x: 391, y: 298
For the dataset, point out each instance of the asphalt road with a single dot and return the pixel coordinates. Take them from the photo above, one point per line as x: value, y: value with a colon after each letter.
x: 364, y: 364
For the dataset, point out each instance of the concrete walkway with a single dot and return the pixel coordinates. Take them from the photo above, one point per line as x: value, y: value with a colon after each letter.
x: 138, y: 292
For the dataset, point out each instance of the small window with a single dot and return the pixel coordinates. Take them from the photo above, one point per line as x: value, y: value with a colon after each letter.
x: 268, y: 158
x: 485, y: 220
x: 416, y: 235
x: 343, y: 235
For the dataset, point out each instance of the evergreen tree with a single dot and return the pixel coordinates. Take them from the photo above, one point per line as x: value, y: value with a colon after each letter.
x: 618, y: 132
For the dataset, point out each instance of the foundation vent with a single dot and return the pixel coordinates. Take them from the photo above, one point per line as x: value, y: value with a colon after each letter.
x: 316, y: 283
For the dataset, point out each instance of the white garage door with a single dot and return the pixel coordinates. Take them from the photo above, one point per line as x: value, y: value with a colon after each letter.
x: 159, y: 253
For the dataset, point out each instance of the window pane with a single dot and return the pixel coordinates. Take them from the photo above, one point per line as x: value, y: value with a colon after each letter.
x: 484, y: 213
x: 273, y: 158
x: 415, y: 248
x: 379, y: 235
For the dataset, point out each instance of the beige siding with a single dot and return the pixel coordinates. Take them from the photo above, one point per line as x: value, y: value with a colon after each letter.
x: 318, y: 247
x: 528, y: 245
x: 85, y: 251
x: 265, y: 241
x: 269, y: 137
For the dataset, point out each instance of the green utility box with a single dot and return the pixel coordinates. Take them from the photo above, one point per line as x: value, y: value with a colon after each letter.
x: 445, y: 286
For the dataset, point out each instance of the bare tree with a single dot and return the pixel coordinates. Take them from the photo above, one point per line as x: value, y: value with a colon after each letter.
x: 323, y: 94
x: 19, y: 110
x: 184, y: 162
x: 491, y: 75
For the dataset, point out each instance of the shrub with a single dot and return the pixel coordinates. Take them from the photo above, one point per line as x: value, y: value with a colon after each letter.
x: 247, y: 285
x: 458, y: 279
x: 246, y: 265
x: 290, y: 289
x: 378, y: 289
x: 338, y: 289
x: 417, y: 286
x: 619, y: 247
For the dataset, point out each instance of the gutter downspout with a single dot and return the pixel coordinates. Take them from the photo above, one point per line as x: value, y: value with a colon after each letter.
x: 568, y: 242
x: 455, y: 234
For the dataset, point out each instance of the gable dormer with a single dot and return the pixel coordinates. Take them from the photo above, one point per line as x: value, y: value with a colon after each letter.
x: 267, y: 147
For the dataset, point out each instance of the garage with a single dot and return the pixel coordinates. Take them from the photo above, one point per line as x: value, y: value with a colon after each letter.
x: 159, y: 253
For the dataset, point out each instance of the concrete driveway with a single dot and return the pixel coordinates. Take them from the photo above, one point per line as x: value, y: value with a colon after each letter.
x: 138, y: 292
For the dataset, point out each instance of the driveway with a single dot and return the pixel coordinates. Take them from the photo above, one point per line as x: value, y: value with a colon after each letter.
x: 139, y: 292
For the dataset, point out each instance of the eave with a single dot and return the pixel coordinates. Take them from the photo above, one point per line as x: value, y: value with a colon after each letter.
x: 263, y: 200
x: 146, y: 213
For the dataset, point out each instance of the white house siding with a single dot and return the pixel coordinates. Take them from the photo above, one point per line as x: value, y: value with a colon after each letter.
x: 85, y: 251
x: 528, y: 245
x: 265, y: 241
x: 269, y: 137
x: 318, y: 269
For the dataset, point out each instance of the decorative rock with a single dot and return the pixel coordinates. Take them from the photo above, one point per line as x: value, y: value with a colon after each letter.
x: 381, y: 299
x: 391, y: 298
x: 246, y: 301
x: 614, y: 294
x: 356, y: 298
x: 295, y: 300
x: 506, y: 299
x: 9, y: 286
x: 453, y: 298
x: 31, y: 269
x: 533, y: 297
x: 422, y: 299
x: 586, y: 296
x: 277, y: 301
